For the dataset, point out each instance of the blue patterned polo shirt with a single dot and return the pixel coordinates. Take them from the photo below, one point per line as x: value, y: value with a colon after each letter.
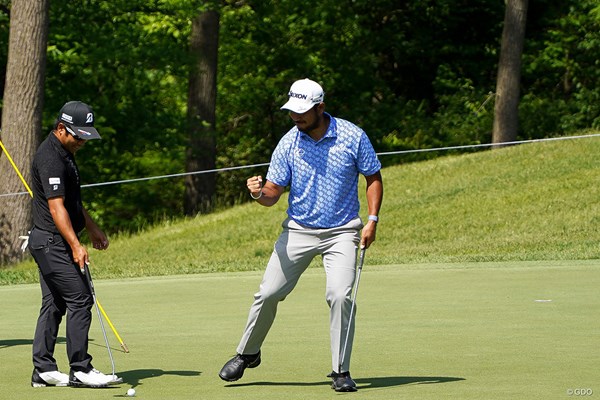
x: 323, y: 175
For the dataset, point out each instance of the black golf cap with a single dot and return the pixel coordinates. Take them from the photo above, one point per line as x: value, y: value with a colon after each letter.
x: 78, y: 118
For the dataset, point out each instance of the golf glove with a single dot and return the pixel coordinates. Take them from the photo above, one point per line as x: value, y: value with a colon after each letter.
x: 25, y: 240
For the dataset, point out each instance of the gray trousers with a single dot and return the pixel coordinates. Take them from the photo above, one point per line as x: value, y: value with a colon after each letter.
x: 64, y: 290
x: 293, y: 252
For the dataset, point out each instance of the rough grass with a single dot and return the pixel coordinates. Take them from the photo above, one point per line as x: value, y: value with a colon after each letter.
x: 537, y: 201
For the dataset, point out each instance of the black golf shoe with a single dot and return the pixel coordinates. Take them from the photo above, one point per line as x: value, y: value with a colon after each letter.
x: 342, y: 382
x: 234, y: 368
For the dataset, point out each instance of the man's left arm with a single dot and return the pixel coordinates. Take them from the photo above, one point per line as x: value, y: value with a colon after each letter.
x: 98, y: 238
x: 374, y: 199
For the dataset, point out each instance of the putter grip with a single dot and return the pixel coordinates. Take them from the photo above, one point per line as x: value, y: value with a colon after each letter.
x: 361, y: 258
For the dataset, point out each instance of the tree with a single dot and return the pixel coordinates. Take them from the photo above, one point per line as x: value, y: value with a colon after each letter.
x: 414, y: 75
x: 201, y: 153
x: 131, y: 64
x: 561, y: 78
x: 21, y: 115
x: 506, y: 117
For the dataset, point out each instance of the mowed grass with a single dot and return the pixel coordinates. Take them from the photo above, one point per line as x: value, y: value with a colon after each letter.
x: 424, y: 331
x: 538, y: 201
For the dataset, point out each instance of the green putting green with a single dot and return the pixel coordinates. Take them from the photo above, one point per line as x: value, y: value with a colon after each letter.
x: 514, y: 330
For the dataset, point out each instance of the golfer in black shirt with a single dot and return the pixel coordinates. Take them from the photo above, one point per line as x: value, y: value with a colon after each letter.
x: 59, y: 217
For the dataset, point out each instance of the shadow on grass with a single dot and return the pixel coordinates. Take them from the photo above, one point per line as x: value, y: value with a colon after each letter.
x: 60, y: 340
x: 24, y: 342
x: 136, y: 376
x: 103, y: 345
x: 365, y: 383
x: 388, y: 381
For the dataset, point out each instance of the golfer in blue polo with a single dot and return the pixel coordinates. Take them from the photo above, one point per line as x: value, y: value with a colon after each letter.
x: 320, y: 160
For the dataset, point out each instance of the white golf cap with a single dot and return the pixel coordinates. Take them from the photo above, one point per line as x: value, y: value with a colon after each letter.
x: 303, y: 95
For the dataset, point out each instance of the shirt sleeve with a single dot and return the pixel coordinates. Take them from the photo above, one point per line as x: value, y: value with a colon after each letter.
x: 280, y: 172
x: 368, y: 163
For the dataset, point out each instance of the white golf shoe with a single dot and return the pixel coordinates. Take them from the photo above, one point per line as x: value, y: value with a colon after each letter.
x: 93, y: 378
x: 51, y: 378
x: 114, y: 379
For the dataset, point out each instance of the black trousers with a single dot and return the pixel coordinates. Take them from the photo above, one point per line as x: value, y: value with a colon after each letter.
x: 64, y: 291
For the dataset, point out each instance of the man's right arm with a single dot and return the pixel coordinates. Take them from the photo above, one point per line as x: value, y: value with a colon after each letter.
x: 65, y: 228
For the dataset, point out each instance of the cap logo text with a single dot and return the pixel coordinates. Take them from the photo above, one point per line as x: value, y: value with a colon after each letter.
x: 298, y: 95
x: 89, y: 119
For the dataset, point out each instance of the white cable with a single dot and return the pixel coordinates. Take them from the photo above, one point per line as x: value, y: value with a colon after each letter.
x: 387, y: 153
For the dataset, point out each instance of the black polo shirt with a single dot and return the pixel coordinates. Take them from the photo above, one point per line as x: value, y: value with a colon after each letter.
x: 55, y: 174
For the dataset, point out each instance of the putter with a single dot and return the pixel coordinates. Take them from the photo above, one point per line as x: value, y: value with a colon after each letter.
x: 88, y: 274
x: 354, y: 291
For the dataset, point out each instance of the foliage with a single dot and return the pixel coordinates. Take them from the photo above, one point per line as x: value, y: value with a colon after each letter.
x: 377, y: 61
x: 136, y: 89
x: 414, y: 75
x: 562, y: 73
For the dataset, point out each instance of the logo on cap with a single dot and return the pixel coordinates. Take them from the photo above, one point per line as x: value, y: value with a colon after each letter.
x: 67, y: 118
x: 298, y: 95
x: 84, y: 132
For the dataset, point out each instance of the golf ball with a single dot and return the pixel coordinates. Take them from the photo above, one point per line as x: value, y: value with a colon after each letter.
x: 131, y: 392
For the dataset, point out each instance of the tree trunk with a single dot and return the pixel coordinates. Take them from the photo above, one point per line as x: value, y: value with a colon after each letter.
x: 201, y: 153
x: 21, y: 117
x: 506, y: 113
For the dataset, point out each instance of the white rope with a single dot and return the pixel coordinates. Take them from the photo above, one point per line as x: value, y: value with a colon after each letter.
x: 473, y: 146
x: 388, y: 153
x: 206, y: 171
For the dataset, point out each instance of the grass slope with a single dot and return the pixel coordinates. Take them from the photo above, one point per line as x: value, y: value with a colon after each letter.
x: 537, y: 201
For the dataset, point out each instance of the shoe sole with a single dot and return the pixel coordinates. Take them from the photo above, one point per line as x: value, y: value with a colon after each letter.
x: 227, y: 379
x: 85, y: 385
x: 37, y: 384
x: 345, y: 389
